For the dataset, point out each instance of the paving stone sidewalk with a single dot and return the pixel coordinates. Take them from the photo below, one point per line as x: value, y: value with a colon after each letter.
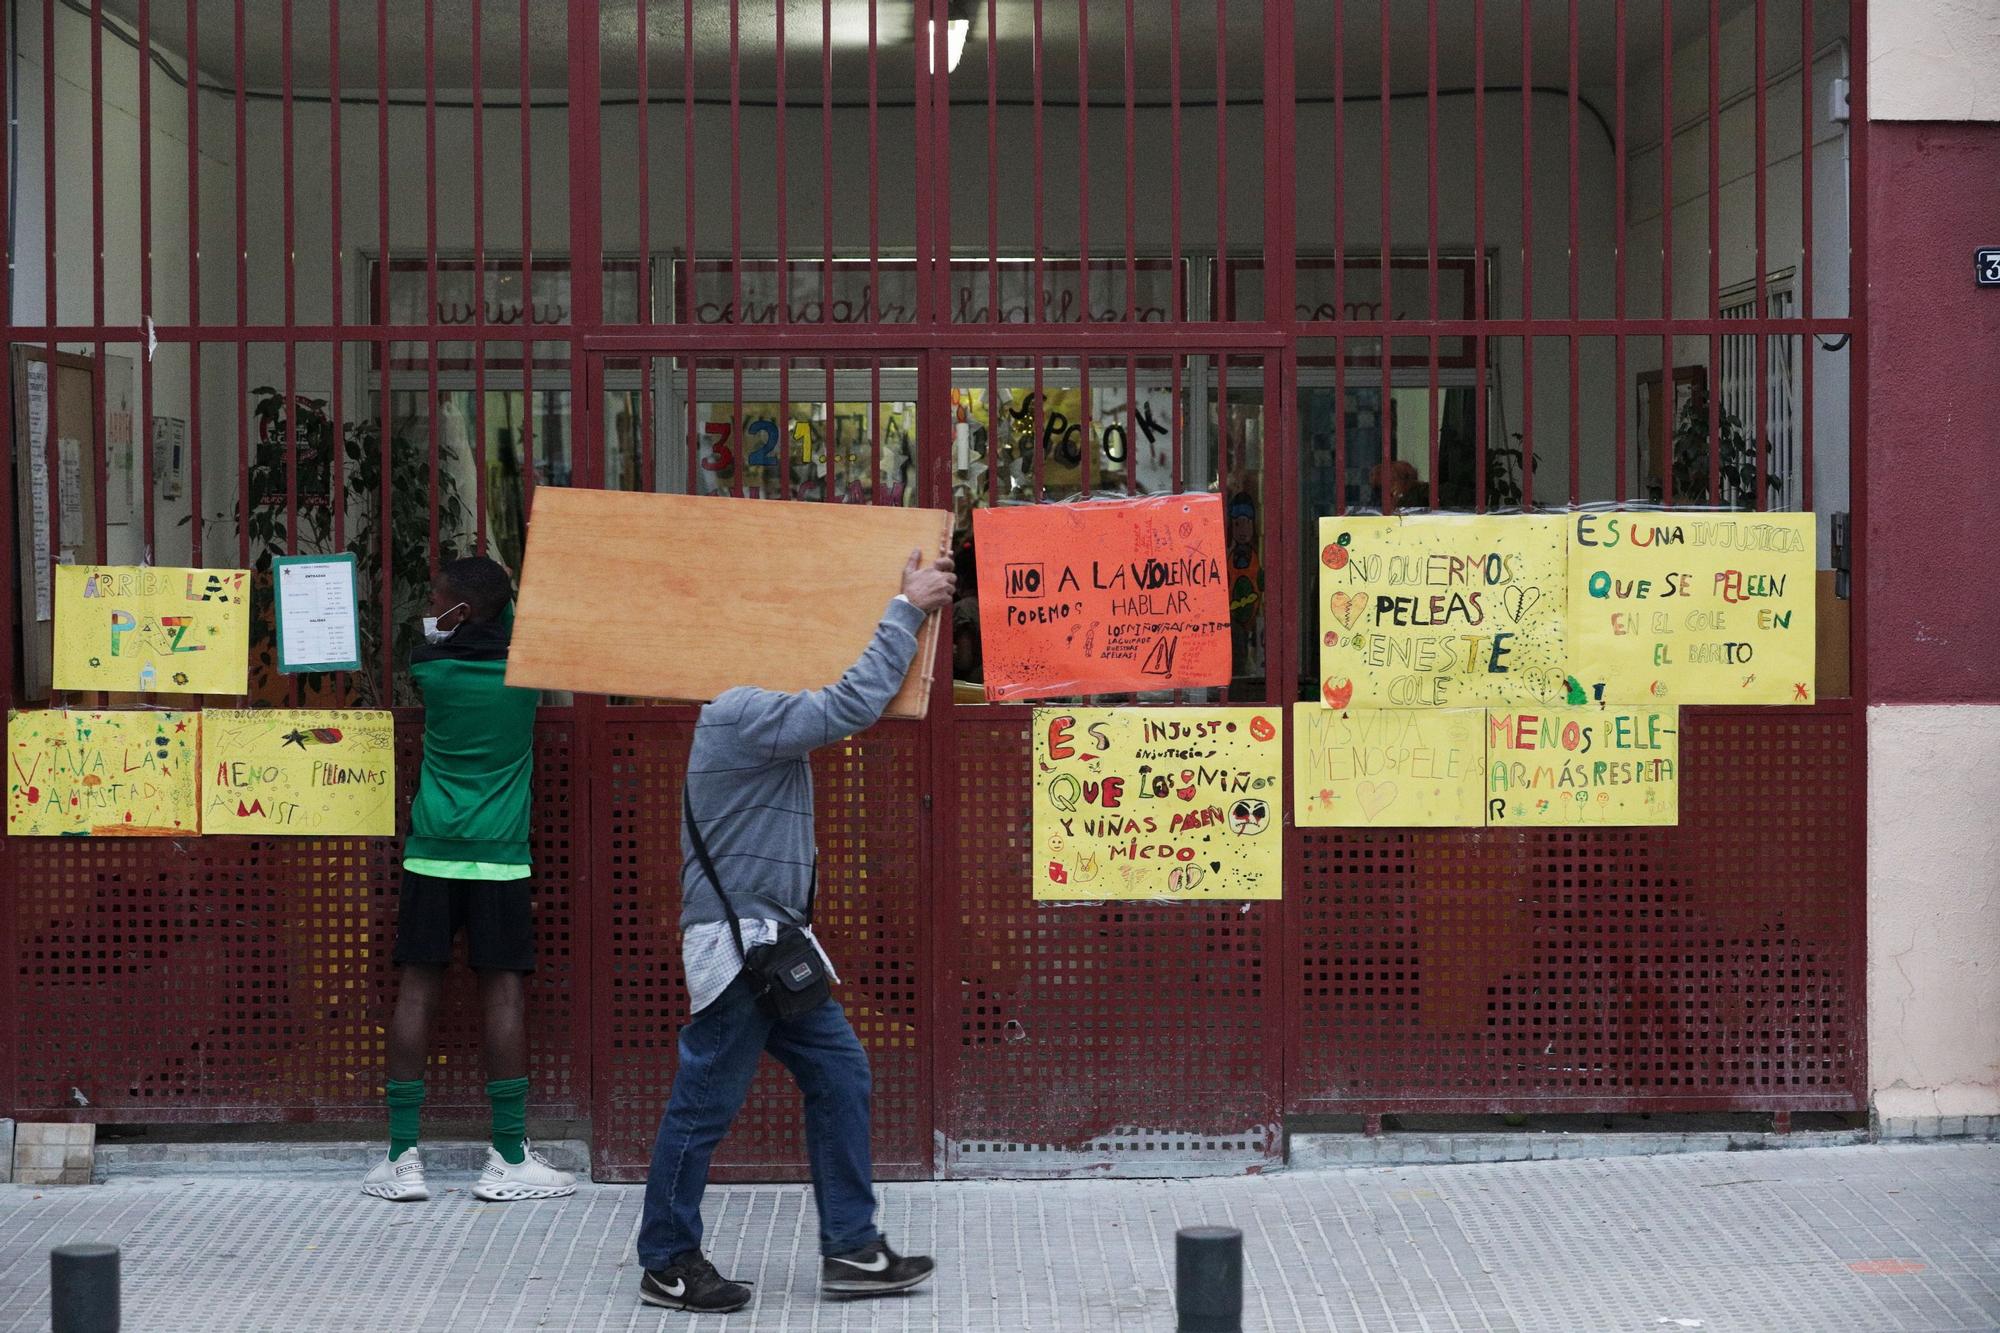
x: 1869, y: 1239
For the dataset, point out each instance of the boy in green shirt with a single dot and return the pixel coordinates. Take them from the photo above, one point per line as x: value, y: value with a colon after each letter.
x: 466, y: 866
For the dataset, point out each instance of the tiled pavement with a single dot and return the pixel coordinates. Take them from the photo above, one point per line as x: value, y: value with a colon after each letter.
x: 1869, y: 1239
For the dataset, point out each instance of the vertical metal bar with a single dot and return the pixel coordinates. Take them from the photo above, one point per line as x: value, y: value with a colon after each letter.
x: 825, y: 195
x: 1715, y: 358
x: 586, y: 239
x: 291, y: 441
x: 1036, y: 449
x: 1338, y: 169
x: 193, y: 442
x: 527, y: 352
x: 433, y: 422
x: 337, y: 301
x: 1177, y: 277
x: 1480, y: 343
x: 992, y: 215
x: 242, y: 303
x: 1084, y: 448
x: 1039, y: 310
x: 1762, y: 434
x: 99, y: 453
x: 784, y: 410
x: 1575, y: 265
x: 1131, y: 424
x: 1177, y: 441
x: 784, y: 226
x: 690, y: 267
x: 384, y: 356
x: 1223, y: 308
x: 1431, y: 229
x: 739, y: 466
x: 874, y: 168
x: 736, y: 184
x: 1527, y: 255
x: 1083, y: 264
x: 1667, y: 248
x: 996, y: 422
x: 645, y: 162
x: 832, y: 440
x: 1809, y: 341
x: 1385, y: 310
x: 479, y: 348
x: 1222, y: 426
x: 1131, y: 186
x: 141, y: 427
x: 51, y: 314
x: 693, y: 433
x: 1340, y: 425
x: 874, y: 431
x: 1618, y: 151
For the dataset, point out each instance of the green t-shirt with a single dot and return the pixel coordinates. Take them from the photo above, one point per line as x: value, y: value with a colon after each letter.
x: 479, y: 751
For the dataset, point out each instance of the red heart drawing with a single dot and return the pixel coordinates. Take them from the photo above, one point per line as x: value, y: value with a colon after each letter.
x: 34, y: 795
x: 1337, y: 695
x: 1057, y: 874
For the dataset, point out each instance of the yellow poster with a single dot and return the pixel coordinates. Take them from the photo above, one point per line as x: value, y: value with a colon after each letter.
x: 1388, y: 767
x: 1175, y: 803
x: 1583, y: 766
x: 1697, y: 608
x: 102, y: 774
x: 152, y: 630
x: 274, y: 771
x: 1441, y: 611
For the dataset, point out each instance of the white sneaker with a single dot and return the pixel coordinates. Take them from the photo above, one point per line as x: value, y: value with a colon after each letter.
x: 400, y: 1180
x: 531, y: 1178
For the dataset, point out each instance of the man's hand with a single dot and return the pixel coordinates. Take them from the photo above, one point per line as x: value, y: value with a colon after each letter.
x: 929, y: 587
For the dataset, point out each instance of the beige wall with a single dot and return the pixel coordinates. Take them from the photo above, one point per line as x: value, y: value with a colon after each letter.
x: 1934, y: 910
x: 1934, y: 60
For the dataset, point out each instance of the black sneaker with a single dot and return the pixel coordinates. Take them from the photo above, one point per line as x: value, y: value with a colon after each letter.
x: 692, y: 1284
x: 872, y: 1271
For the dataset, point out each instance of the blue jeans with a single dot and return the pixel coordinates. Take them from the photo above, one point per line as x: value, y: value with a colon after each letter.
x: 719, y: 1049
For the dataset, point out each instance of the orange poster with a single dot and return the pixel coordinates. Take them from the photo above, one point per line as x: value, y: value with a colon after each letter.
x: 1103, y: 597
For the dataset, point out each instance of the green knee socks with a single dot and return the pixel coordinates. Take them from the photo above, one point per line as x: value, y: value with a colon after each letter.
x: 406, y: 1104
x: 510, y: 1118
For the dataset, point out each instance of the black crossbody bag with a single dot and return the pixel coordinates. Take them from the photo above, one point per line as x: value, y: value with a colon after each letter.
x: 788, y: 976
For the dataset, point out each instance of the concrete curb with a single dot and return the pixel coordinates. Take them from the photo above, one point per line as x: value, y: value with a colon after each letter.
x: 443, y: 1158
x: 1321, y: 1151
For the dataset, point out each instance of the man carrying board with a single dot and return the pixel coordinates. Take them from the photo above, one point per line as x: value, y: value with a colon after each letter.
x: 757, y: 978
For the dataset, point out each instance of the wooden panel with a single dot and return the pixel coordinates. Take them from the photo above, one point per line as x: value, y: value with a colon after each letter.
x: 682, y: 597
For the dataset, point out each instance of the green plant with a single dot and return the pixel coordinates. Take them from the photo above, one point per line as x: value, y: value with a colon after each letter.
x: 1733, y: 460
x: 404, y: 493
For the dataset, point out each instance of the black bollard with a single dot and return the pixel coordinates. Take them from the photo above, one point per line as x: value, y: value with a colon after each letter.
x: 1208, y: 1279
x: 83, y: 1288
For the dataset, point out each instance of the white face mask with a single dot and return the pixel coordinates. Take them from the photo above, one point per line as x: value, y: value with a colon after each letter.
x: 432, y: 634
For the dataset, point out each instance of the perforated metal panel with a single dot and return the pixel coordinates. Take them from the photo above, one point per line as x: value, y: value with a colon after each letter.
x: 1710, y: 965
x: 1120, y: 1038
x: 233, y: 979
x: 868, y: 915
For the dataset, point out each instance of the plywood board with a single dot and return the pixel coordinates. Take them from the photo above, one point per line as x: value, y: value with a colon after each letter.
x: 682, y: 597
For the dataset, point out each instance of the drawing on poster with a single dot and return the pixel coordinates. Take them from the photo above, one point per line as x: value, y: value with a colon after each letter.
x: 152, y: 630
x: 1441, y: 611
x: 102, y: 774
x: 1697, y: 608
x: 1104, y: 597
x: 1158, y: 803
x: 1388, y: 767
x: 1556, y: 766
x: 303, y: 773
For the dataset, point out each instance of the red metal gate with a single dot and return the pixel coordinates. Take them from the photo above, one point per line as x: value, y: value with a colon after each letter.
x: 1320, y: 255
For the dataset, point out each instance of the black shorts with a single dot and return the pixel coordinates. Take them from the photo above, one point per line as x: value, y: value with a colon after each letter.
x: 497, y: 917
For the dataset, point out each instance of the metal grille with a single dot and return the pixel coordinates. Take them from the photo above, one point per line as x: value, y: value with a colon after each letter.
x: 393, y: 267
x: 1700, y: 967
x: 250, y: 980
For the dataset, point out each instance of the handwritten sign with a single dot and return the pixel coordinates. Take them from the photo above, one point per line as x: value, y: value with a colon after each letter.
x: 1388, y: 767
x: 304, y: 773
x: 80, y: 774
x: 1441, y: 611
x: 1692, y: 608
x: 1158, y: 803
x: 1583, y: 766
x: 160, y: 630
x: 1108, y: 597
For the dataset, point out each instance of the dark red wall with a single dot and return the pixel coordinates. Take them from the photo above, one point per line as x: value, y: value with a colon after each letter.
x: 1933, y: 428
